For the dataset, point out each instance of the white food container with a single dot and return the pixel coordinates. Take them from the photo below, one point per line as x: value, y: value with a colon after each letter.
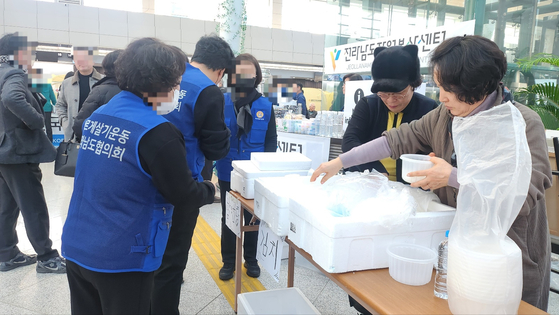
x: 245, y: 172
x: 278, y: 161
x: 411, y: 264
x: 414, y: 162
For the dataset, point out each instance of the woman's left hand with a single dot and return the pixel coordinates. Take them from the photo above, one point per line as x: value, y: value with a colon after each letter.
x: 436, y: 177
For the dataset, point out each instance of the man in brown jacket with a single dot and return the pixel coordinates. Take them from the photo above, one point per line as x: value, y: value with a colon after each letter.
x: 465, y: 90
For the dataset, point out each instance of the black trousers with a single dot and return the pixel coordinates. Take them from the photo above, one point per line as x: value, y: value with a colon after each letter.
x: 21, y: 191
x: 168, y: 278
x: 108, y: 293
x: 229, y: 239
x: 208, y: 170
x: 48, y: 125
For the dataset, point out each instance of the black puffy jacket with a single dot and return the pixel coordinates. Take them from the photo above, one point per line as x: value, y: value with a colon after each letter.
x: 101, y: 93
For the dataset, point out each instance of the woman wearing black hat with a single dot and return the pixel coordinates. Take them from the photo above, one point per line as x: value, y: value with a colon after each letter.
x: 396, y: 74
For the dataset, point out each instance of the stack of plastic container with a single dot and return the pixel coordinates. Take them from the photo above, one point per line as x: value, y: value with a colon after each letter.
x: 326, y: 124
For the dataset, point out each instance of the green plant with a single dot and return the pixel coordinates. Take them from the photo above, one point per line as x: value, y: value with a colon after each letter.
x: 543, y: 98
x: 526, y: 64
x: 226, y: 11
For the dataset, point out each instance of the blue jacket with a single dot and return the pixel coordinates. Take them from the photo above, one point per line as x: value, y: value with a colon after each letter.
x: 193, y: 83
x: 117, y: 220
x: 240, y: 149
x: 300, y: 98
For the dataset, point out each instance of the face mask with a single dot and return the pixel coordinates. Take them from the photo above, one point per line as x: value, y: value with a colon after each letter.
x: 245, y: 85
x: 167, y: 107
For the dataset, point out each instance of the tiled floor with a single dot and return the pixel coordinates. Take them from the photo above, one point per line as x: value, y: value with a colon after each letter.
x: 23, y: 291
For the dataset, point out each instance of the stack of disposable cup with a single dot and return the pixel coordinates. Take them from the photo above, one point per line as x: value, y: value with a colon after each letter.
x: 486, y: 280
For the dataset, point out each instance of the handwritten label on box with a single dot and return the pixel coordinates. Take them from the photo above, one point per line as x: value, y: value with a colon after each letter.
x: 233, y: 214
x: 269, y: 251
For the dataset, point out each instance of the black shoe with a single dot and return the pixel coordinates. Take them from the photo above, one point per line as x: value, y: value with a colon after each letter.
x: 226, y: 272
x: 20, y: 260
x: 253, y: 270
x: 53, y: 265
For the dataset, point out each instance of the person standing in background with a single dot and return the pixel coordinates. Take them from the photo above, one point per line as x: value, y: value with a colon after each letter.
x: 299, y: 97
x: 312, y: 111
x: 74, y: 90
x: 48, y: 93
x: 24, y: 146
x: 339, y: 100
x: 199, y: 116
x: 101, y: 92
x: 253, y: 129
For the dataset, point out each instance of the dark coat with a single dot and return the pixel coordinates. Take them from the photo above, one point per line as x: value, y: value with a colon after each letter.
x: 369, y: 121
x: 101, y: 93
x: 22, y: 138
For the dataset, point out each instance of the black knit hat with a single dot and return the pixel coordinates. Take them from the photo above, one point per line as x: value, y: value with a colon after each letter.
x: 394, y: 68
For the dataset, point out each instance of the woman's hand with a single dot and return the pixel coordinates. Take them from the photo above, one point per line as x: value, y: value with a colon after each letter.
x: 436, y: 177
x: 329, y: 169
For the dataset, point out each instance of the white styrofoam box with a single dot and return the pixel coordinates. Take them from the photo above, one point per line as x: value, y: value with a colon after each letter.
x: 245, y: 172
x: 342, y: 244
x: 271, y: 202
x: 279, y: 161
x: 278, y: 302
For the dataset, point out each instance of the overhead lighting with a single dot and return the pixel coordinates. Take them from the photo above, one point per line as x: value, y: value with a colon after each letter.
x: 544, y: 3
x: 277, y: 66
x: 104, y: 52
x: 54, y: 48
x: 513, y: 9
x: 541, y: 16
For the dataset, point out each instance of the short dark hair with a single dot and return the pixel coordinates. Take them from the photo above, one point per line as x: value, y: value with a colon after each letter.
x: 352, y: 77
x: 109, y: 62
x: 10, y: 43
x: 148, y: 65
x: 90, y: 50
x: 300, y: 85
x: 251, y: 59
x: 471, y: 67
x: 213, y: 52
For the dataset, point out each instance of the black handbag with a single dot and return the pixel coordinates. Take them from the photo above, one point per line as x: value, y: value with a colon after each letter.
x: 66, y: 158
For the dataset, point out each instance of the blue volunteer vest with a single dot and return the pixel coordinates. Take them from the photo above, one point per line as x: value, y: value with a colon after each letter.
x: 117, y: 220
x: 193, y: 83
x: 240, y: 149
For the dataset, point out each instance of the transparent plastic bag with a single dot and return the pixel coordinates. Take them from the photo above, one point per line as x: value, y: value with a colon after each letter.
x: 494, y: 171
x: 371, y: 196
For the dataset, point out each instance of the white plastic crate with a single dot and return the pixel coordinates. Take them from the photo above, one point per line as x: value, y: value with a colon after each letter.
x: 278, y: 161
x: 342, y: 244
x: 290, y: 301
x: 245, y: 172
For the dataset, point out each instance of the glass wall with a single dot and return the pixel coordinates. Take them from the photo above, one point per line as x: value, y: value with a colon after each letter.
x: 522, y: 29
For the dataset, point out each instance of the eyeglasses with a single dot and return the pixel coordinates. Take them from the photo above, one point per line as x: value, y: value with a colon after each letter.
x: 397, y: 96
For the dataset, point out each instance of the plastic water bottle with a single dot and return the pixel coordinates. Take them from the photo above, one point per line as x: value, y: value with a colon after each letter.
x: 440, y: 277
x: 316, y: 123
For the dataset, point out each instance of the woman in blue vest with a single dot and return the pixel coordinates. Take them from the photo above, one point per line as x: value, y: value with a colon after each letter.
x: 250, y: 117
x: 130, y: 174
